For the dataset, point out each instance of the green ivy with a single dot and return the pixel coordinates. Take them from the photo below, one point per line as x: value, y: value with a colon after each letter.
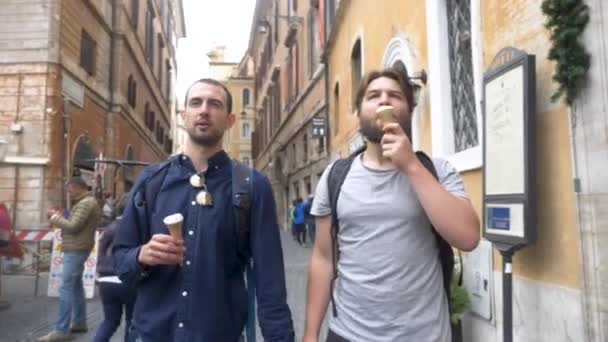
x: 566, y: 20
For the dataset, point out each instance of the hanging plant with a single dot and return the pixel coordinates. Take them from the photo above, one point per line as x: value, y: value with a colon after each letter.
x: 566, y: 20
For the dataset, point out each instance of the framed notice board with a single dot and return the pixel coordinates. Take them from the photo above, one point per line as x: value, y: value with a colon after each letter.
x: 509, y: 109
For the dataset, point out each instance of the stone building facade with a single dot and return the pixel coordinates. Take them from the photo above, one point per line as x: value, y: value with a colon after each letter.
x: 81, y: 80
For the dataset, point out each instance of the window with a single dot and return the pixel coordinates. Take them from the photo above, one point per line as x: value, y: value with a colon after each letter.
x: 276, y: 23
x: 305, y: 148
x: 134, y: 13
x: 296, y: 68
x: 294, y: 155
x: 168, y: 16
x: 161, y: 135
x: 150, y: 34
x: 454, y: 41
x: 330, y: 13
x: 87, y: 52
x: 276, y: 99
x: 461, y: 72
x: 147, y: 115
x: 355, y: 65
x: 290, y: 76
x: 336, y: 115
x: 296, y: 190
x: 292, y: 73
x: 313, y: 42
x: 168, y: 80
x: 131, y: 91
x: 161, y: 46
x: 245, y: 98
x: 293, y: 7
x: 168, y: 145
x: 134, y: 94
x: 307, y: 185
x: 321, y: 146
x: 245, y: 130
x: 163, y: 13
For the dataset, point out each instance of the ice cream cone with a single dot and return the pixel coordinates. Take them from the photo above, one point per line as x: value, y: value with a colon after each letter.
x: 385, y: 114
x: 174, y: 224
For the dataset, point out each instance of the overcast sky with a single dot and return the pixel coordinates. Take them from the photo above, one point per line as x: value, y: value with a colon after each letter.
x: 211, y: 22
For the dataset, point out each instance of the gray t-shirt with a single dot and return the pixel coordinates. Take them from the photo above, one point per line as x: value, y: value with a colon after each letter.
x: 390, y: 283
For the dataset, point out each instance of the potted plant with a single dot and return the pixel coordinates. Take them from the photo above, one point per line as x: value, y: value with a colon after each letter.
x: 460, y: 302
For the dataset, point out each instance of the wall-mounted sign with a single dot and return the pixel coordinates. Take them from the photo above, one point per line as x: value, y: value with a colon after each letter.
x: 318, y: 127
x: 508, y: 145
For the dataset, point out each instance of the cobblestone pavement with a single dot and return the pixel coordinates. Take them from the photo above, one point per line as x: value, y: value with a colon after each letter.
x: 30, y: 316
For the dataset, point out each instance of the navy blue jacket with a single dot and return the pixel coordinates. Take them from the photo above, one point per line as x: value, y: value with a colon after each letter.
x: 105, y: 262
x: 205, y: 299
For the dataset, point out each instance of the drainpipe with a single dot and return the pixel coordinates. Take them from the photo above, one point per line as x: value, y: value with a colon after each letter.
x: 110, y: 136
x: 66, y: 147
x: 324, y: 59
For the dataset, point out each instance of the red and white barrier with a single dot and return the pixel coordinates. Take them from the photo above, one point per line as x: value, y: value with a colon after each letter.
x: 34, y: 235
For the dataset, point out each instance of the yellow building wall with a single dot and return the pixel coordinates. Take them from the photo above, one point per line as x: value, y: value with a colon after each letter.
x: 375, y: 22
x: 519, y: 23
x: 233, y: 142
x: 555, y: 258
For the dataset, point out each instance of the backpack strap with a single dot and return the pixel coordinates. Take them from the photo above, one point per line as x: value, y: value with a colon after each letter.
x: 446, y: 253
x: 241, y: 200
x: 335, y: 179
x: 146, y: 198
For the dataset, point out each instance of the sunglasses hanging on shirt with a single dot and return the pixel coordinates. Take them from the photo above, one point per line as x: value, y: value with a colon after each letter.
x: 203, y: 197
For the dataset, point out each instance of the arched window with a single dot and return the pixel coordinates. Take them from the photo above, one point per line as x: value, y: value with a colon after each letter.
x: 356, y: 71
x: 336, y: 109
x: 245, y: 131
x: 246, y: 94
x: 84, y: 153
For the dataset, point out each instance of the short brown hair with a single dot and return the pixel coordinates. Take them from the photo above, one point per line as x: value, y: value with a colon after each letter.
x: 216, y: 83
x: 398, y: 75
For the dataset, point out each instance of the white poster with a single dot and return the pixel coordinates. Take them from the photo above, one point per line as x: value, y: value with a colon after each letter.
x: 505, y: 133
x: 90, y: 267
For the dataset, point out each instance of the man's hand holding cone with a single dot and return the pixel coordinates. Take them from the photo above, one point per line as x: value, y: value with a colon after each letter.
x: 163, y: 249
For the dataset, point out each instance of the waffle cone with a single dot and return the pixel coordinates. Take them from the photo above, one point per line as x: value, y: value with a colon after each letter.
x: 174, y: 225
x: 385, y: 114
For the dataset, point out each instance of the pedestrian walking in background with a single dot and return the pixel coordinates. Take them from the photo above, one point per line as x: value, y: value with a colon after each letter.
x: 310, y: 219
x: 292, y: 219
x: 299, y: 221
x: 116, y: 297
x: 78, y: 233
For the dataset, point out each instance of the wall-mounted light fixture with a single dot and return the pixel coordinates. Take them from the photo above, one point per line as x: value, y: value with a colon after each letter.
x: 264, y: 23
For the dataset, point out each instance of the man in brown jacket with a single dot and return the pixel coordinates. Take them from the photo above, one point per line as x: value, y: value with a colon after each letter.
x: 78, y: 233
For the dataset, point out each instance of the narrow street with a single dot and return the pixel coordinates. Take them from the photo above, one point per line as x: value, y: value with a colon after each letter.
x: 30, y: 317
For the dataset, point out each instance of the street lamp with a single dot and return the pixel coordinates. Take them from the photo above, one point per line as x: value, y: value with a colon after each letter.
x: 292, y: 20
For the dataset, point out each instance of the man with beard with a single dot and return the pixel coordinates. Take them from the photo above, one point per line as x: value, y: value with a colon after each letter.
x: 388, y: 285
x: 192, y: 288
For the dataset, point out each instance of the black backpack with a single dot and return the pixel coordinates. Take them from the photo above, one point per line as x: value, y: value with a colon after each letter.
x: 241, y: 200
x: 336, y: 178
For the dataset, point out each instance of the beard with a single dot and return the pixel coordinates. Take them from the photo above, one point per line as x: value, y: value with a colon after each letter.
x: 373, y: 133
x: 210, y: 138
